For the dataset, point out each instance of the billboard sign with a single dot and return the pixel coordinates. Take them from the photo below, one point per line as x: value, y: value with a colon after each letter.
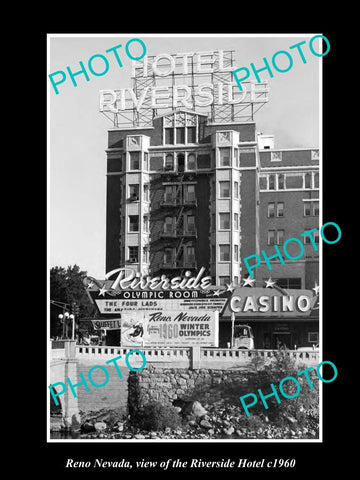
x: 170, y: 328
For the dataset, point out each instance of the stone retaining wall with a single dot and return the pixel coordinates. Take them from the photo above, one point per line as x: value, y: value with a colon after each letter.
x: 165, y: 385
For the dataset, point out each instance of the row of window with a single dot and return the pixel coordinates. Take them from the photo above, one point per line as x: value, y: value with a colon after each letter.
x: 179, y: 135
x: 172, y: 162
x: 171, y: 193
x: 134, y: 192
x: 225, y: 157
x: 224, y: 189
x: 134, y: 223
x: 180, y: 128
x: 287, y: 181
x: 133, y: 254
x: 276, y: 209
x: 177, y: 160
x: 188, y: 225
x: 225, y: 253
x: 224, y: 221
x: 187, y: 259
x: 170, y: 223
x: 175, y: 193
x: 276, y: 237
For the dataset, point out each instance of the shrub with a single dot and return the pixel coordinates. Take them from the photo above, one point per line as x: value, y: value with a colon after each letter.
x: 156, y: 416
x: 302, y: 407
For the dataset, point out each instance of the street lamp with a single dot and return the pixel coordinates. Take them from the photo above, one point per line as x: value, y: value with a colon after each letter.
x: 64, y: 317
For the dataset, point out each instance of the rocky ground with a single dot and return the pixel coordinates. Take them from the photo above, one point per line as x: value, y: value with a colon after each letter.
x: 207, y: 421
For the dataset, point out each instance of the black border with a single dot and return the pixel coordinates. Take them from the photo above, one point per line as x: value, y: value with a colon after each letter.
x: 311, y: 458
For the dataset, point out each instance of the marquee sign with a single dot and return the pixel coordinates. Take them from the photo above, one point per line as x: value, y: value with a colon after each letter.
x: 266, y: 302
x: 127, y: 295
x: 201, y: 81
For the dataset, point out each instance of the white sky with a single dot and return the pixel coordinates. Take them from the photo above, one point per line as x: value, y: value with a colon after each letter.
x: 77, y: 131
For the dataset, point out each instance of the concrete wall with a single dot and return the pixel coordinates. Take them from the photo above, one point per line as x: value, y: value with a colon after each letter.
x: 113, y: 395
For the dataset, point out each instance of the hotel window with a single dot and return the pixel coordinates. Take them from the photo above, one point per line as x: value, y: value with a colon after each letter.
x: 190, y: 255
x: 271, y: 182
x: 180, y: 162
x: 168, y: 256
x: 225, y: 156
x: 236, y: 221
x: 190, y: 223
x: 133, y: 254
x: 180, y: 135
x: 191, y: 134
x: 224, y: 221
x: 134, y: 192
x: 236, y: 157
x: 307, y: 209
x: 224, y: 253
x: 280, y: 237
x: 168, y: 193
x: 280, y: 209
x: 134, y: 160
x: 169, y: 136
x: 314, y: 235
x: 271, y: 210
x: 224, y: 189
x: 281, y: 182
x: 146, y: 193
x: 145, y: 254
x: 133, y: 223
x: 307, y: 180
x: 191, y: 162
x: 169, y: 162
x: 236, y: 189
x: 224, y: 281
x: 190, y: 193
x: 236, y: 253
x: 271, y: 237
x: 146, y: 223
x: 316, y: 180
x: 168, y: 224
x: 146, y: 161
x: 316, y: 209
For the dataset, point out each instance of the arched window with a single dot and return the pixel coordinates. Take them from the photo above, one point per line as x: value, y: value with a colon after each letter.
x: 191, y: 162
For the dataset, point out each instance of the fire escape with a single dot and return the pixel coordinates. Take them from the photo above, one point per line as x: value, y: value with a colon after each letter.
x: 179, y: 234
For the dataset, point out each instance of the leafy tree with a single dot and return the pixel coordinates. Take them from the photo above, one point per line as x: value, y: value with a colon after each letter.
x: 66, y: 286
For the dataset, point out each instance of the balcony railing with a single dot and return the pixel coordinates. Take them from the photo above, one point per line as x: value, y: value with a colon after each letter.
x: 178, y: 202
x: 182, y: 263
x: 179, y: 232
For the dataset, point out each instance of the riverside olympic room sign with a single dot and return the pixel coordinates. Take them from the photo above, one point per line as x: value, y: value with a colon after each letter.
x: 183, y: 311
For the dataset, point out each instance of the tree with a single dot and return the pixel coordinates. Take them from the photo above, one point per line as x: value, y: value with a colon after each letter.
x: 66, y: 286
